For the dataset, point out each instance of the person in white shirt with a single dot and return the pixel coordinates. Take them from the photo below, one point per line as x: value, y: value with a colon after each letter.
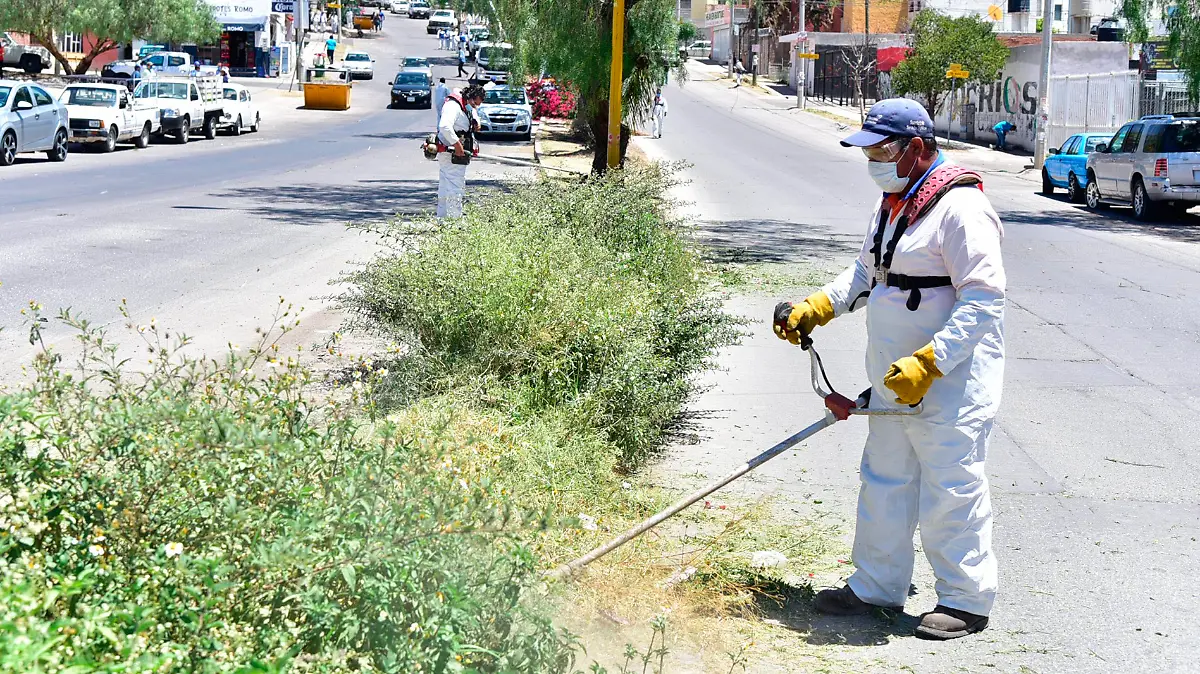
x: 658, y: 113
x: 455, y: 134
x: 439, y: 98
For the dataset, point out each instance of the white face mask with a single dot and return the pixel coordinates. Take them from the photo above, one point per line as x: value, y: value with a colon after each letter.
x: 884, y: 175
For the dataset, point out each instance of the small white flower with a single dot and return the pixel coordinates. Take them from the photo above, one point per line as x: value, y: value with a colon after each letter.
x: 96, y: 550
x: 587, y: 522
x: 174, y: 549
x: 626, y: 485
x: 413, y: 627
x: 273, y: 364
x: 357, y: 385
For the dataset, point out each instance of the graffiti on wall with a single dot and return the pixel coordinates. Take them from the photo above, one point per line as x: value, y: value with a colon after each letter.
x: 1005, y: 98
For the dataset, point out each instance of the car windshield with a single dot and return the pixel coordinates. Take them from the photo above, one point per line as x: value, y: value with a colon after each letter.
x: 101, y: 98
x: 443, y: 14
x: 1093, y: 142
x: 1183, y: 137
x: 177, y: 90
x: 504, y: 96
x: 4, y: 93
x: 415, y: 62
x: 357, y: 57
x: 412, y: 78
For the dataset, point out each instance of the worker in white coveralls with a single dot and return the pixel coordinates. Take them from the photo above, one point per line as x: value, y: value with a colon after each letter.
x: 932, y: 281
x: 658, y: 113
x: 456, y: 142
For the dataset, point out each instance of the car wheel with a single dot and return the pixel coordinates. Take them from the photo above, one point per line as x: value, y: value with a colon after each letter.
x: 257, y: 123
x: 110, y: 143
x: 8, y: 149
x: 237, y: 127
x: 528, y: 136
x: 1143, y: 207
x: 1047, y: 186
x: 1093, y: 195
x: 143, y: 140
x: 58, y: 151
x: 1074, y: 193
x: 210, y: 127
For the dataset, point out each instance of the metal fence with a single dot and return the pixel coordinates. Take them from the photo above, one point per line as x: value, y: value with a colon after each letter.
x: 833, y: 78
x: 1091, y: 103
x: 1164, y: 98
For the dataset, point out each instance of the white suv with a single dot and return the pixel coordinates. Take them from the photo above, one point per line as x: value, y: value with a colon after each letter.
x: 1152, y: 163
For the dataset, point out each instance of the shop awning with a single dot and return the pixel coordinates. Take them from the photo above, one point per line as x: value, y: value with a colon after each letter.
x: 244, y: 27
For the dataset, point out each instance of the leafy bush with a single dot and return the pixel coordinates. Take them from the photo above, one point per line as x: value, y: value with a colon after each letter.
x: 214, y: 516
x: 550, y: 99
x: 553, y: 296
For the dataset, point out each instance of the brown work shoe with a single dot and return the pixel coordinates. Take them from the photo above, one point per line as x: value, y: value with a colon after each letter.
x: 944, y: 623
x: 843, y: 601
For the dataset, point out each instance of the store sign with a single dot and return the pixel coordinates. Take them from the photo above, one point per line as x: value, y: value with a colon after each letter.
x: 241, y: 12
x: 283, y: 6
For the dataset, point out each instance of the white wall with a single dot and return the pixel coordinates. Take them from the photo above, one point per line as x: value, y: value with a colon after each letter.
x: 1013, y: 95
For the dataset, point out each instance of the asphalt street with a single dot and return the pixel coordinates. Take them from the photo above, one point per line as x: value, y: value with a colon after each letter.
x: 1093, y: 465
x: 206, y: 237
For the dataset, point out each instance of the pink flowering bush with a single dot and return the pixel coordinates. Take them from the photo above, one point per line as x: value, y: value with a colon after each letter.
x: 549, y: 99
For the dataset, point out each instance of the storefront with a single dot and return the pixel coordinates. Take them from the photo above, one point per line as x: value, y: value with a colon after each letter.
x: 245, y: 41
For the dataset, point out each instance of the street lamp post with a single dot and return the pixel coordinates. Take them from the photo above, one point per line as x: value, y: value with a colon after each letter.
x: 801, y: 64
x: 1043, y: 110
x: 614, y: 84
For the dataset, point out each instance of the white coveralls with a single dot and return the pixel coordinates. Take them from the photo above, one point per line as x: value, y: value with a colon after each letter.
x: 930, y: 468
x: 439, y: 99
x: 659, y: 113
x: 452, y: 178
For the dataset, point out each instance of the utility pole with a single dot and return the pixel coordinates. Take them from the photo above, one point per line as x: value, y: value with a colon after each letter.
x: 731, y: 12
x: 801, y: 64
x: 1043, y: 111
x: 753, y: 46
x: 615, y: 77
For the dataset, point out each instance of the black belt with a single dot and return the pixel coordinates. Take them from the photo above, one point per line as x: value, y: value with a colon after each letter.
x: 916, y: 284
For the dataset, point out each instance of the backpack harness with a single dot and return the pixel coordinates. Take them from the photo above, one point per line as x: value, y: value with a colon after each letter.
x: 467, y: 137
x: 937, y: 185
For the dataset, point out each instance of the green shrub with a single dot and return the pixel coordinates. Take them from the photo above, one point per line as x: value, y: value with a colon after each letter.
x: 213, y: 516
x: 552, y: 295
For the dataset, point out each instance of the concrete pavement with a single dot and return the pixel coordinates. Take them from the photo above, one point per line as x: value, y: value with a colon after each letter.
x: 1093, y: 466
x: 207, y: 236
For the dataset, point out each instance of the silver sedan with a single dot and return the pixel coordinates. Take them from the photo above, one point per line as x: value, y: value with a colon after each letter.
x: 31, y: 120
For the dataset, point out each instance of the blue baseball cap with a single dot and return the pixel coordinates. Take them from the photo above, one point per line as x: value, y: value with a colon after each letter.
x: 890, y: 118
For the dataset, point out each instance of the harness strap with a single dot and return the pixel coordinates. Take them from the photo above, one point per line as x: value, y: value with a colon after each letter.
x: 915, y: 284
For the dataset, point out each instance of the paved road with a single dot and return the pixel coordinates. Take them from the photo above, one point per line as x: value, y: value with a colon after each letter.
x: 207, y: 236
x: 1094, y: 466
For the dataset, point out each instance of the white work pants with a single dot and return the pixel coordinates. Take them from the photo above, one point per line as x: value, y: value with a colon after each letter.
x: 658, y: 117
x: 452, y: 181
x: 914, y: 470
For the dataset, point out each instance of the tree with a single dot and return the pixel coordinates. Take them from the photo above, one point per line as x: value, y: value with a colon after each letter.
x: 111, y: 22
x: 935, y: 42
x: 1182, y: 20
x: 572, y: 40
x: 687, y: 33
x: 860, y: 62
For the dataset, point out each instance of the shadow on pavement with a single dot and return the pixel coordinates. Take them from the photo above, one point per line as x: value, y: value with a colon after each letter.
x: 395, y: 135
x: 757, y: 241
x: 791, y: 608
x: 1183, y: 227
x: 361, y: 202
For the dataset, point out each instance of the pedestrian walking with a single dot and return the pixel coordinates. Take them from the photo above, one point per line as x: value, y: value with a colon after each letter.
x: 331, y: 47
x: 439, y: 98
x: 377, y: 20
x: 658, y: 113
x: 462, y: 62
x: 738, y: 71
x: 1002, y: 128
x: 456, y: 135
x: 932, y: 280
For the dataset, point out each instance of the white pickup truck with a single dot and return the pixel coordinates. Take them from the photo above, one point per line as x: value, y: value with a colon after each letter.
x: 168, y: 63
x: 185, y: 104
x: 107, y: 114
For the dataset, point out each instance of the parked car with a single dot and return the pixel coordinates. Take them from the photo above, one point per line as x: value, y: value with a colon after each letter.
x: 30, y: 121
x: 492, y: 62
x: 360, y: 65
x: 31, y: 59
x: 476, y: 36
x: 698, y: 49
x: 1152, y: 164
x: 419, y: 9
x: 506, y: 109
x: 185, y: 104
x: 105, y: 114
x: 400, y: 7
x: 169, y: 63
x: 1066, y: 167
x: 412, y: 87
x: 414, y: 62
x: 240, y: 112
x: 442, y: 18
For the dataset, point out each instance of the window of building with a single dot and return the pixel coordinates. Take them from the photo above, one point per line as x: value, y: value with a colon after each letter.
x: 1058, y: 12
x: 71, y: 43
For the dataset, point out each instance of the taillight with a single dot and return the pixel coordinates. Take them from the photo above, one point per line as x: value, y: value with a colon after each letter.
x: 1160, y: 168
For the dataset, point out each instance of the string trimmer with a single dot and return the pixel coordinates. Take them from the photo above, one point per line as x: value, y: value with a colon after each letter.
x: 837, y: 408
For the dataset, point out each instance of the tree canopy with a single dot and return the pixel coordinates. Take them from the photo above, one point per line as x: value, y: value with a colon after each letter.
x: 111, y: 22
x: 937, y: 41
x: 1182, y: 21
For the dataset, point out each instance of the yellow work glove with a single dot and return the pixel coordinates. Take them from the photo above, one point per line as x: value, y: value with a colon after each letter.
x: 911, y: 376
x: 793, y: 320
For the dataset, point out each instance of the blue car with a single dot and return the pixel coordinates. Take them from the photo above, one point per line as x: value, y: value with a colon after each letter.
x: 1067, y: 166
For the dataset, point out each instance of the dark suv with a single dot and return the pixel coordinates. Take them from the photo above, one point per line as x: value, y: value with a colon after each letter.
x: 1152, y: 164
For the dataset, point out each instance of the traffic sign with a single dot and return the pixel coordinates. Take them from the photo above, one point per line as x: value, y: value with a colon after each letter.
x: 956, y: 66
x: 957, y: 74
x: 808, y: 56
